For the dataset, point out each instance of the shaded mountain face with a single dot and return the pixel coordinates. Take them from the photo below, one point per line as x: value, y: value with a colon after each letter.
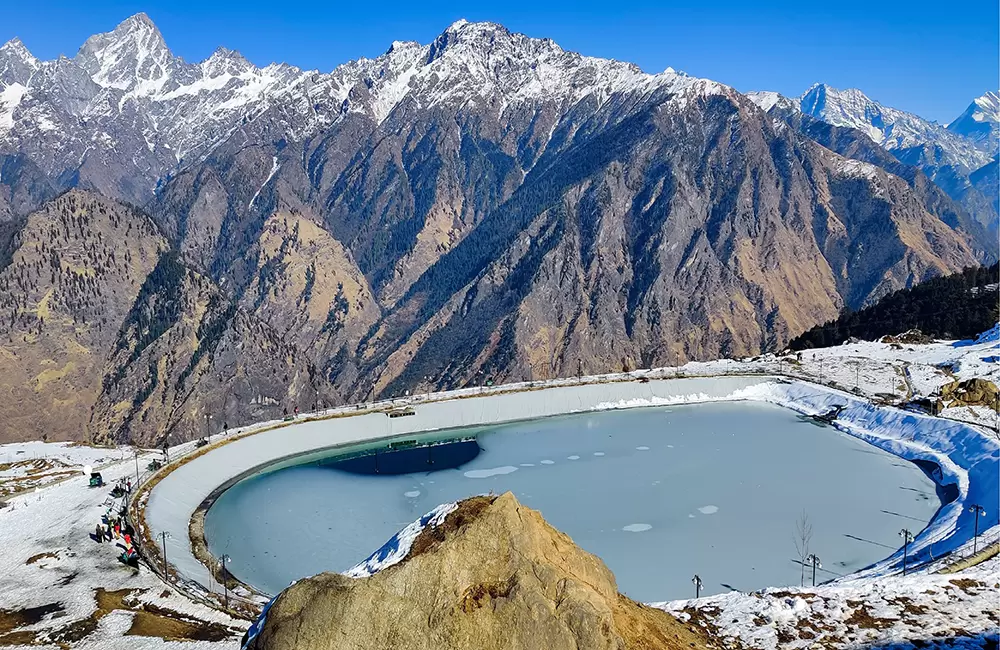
x: 486, y: 206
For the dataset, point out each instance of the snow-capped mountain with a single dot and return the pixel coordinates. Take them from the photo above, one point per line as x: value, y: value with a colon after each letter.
x: 912, y: 138
x: 981, y: 121
x: 487, y: 204
x: 125, y: 91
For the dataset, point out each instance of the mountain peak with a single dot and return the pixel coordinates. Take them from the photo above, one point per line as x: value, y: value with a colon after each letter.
x: 140, y: 21
x: 981, y: 121
x: 16, y: 63
x: 226, y: 61
x: 132, y: 54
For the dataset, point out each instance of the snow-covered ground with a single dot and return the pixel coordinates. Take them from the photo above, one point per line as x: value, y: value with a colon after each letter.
x: 49, y: 558
x: 90, y: 600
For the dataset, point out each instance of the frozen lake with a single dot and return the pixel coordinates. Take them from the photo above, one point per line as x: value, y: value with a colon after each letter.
x: 658, y: 493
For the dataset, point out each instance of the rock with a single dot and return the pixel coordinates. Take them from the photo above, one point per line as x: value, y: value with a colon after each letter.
x: 971, y: 392
x: 910, y: 337
x: 493, y: 575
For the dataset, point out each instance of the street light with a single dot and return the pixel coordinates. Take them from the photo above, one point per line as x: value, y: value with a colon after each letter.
x: 136, y: 450
x: 224, y: 560
x: 164, y: 535
x: 813, y: 559
x: 978, y: 511
x: 907, y: 538
x: 697, y: 585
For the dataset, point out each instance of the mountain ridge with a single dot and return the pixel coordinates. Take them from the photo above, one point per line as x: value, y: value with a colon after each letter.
x: 486, y: 206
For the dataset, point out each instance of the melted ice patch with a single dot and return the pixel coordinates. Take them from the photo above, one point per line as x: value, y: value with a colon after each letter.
x: 708, y: 510
x: 642, y: 448
x: 637, y: 528
x: 411, y: 494
x: 573, y: 457
x: 493, y: 471
x: 548, y: 462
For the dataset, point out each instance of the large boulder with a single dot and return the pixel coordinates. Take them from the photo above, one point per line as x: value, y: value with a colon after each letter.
x: 493, y: 575
x: 971, y: 392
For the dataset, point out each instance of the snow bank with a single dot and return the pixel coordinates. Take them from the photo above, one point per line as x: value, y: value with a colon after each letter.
x: 991, y: 335
x: 967, y: 461
x: 398, y: 546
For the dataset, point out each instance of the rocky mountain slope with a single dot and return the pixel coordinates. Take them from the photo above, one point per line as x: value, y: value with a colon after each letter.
x: 485, y: 206
x: 106, y: 334
x: 492, y: 575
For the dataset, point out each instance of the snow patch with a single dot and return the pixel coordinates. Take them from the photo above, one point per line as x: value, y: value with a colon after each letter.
x: 487, y: 473
x: 637, y: 528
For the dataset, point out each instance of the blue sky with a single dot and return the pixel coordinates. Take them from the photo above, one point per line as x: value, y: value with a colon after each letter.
x: 930, y: 59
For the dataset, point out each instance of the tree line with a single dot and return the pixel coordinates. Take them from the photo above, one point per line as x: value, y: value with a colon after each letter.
x: 956, y: 306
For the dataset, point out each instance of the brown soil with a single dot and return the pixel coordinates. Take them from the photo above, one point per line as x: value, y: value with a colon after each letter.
x: 863, y: 619
x: 149, y: 620
x: 13, y: 619
x: 42, y: 556
x: 967, y: 585
x: 647, y: 628
x: 432, y: 536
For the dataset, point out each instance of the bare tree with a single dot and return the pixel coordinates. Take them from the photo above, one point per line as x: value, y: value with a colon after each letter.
x: 803, y: 536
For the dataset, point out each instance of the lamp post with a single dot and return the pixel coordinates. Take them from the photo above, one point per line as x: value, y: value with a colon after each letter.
x: 816, y: 564
x: 696, y: 580
x: 224, y: 560
x: 907, y: 538
x: 136, y: 451
x: 164, y: 535
x: 978, y: 511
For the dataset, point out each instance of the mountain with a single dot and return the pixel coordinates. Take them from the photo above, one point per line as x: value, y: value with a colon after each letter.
x: 981, y: 121
x: 948, y: 157
x: 485, y: 206
x: 910, y: 138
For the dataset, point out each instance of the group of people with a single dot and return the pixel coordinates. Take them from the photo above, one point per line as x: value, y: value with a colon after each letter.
x: 115, y: 526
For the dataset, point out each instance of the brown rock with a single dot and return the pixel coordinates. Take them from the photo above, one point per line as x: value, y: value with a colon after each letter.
x: 493, y: 575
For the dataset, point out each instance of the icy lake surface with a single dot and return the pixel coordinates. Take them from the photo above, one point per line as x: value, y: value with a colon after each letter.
x: 658, y: 493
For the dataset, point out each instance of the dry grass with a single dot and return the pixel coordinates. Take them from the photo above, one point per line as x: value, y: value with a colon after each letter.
x: 432, y: 536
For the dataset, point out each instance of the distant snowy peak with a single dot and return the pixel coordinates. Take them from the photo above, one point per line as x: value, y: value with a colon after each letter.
x: 767, y: 99
x: 981, y: 120
x: 17, y: 64
x: 133, y: 54
x: 894, y: 129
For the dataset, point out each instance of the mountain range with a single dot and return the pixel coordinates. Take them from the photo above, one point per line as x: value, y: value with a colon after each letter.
x: 185, y: 247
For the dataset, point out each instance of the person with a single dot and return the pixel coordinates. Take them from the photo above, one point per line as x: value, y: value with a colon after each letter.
x: 128, y: 486
x: 99, y: 534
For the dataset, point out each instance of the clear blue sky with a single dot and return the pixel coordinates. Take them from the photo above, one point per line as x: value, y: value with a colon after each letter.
x: 928, y: 58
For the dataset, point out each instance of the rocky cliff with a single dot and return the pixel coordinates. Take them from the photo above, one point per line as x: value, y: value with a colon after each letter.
x: 493, y: 575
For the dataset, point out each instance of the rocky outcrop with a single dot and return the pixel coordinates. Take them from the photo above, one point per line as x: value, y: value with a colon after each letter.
x: 971, y: 392
x: 493, y: 575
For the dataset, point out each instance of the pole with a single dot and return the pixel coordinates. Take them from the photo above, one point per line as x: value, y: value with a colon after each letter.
x: 166, y: 576
x: 136, y: 467
x: 697, y: 585
x: 907, y: 538
x: 225, y: 582
x: 977, y: 511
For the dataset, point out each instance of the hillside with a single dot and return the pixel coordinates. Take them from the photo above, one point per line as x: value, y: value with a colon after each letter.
x: 486, y: 206
x: 956, y: 306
